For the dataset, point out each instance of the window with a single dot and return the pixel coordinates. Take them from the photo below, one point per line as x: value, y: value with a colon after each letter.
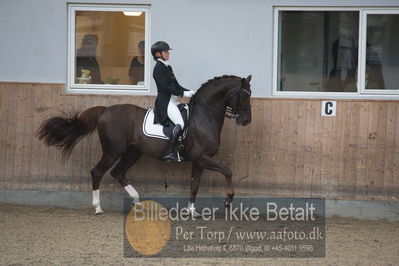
x: 108, y: 49
x: 336, y: 51
x: 382, y: 52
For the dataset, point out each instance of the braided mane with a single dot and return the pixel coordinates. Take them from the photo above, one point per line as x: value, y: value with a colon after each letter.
x: 212, y: 80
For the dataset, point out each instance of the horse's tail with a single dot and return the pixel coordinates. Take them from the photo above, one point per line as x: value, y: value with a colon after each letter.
x: 66, y: 130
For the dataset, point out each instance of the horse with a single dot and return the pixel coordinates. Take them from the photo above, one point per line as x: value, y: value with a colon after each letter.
x: 120, y: 132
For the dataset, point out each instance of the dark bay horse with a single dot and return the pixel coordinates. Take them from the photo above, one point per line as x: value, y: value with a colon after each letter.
x: 120, y: 131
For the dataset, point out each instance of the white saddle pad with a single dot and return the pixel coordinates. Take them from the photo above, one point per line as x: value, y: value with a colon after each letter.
x: 150, y: 129
x: 156, y: 130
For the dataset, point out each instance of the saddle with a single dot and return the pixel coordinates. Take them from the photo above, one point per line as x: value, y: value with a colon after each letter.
x: 164, y: 132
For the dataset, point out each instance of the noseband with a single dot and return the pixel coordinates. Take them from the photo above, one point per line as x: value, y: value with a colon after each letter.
x: 234, y: 112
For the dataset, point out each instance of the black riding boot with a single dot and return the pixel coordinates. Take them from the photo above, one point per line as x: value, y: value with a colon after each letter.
x: 169, y: 154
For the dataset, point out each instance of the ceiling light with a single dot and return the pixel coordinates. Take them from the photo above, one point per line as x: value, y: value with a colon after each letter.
x: 132, y: 13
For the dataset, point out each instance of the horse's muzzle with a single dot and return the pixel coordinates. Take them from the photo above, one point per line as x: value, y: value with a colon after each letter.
x: 244, y: 122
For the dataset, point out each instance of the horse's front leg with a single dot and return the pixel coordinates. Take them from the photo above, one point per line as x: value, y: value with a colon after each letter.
x: 196, y: 173
x: 208, y: 163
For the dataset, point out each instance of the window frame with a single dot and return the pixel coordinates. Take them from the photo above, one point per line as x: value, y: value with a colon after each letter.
x: 363, y: 12
x: 73, y: 87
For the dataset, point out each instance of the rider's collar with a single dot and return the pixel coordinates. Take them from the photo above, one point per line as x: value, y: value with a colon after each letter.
x: 163, y: 61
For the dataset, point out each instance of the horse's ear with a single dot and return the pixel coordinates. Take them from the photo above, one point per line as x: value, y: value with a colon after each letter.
x: 249, y: 78
x: 243, y: 82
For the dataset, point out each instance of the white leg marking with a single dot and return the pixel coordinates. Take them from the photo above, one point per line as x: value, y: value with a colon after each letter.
x: 96, y: 201
x: 132, y: 193
x: 192, y: 210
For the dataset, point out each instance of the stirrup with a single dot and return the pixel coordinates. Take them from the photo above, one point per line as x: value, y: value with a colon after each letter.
x: 173, y: 158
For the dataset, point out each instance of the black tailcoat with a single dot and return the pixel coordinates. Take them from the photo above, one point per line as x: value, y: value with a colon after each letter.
x: 167, y: 86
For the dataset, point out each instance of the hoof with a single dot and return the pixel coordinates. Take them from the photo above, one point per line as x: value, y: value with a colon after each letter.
x: 135, y: 201
x: 196, y: 215
x: 98, y: 211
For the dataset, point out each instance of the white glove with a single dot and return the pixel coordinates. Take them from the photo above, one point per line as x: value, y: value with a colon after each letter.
x: 188, y: 94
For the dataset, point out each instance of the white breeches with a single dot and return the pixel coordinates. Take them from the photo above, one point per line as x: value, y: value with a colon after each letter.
x: 174, y: 113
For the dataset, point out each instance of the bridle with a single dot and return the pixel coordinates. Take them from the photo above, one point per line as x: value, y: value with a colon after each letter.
x: 231, y: 112
x: 234, y: 112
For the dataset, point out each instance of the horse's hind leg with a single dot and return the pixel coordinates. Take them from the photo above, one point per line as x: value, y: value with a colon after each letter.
x: 129, y: 158
x: 97, y: 174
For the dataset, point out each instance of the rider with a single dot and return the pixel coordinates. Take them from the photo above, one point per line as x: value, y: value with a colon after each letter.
x: 166, y: 101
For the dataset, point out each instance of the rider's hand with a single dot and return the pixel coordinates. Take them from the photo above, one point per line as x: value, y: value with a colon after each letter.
x: 188, y: 94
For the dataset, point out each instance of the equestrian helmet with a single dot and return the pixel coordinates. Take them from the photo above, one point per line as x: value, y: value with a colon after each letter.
x: 159, y: 47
